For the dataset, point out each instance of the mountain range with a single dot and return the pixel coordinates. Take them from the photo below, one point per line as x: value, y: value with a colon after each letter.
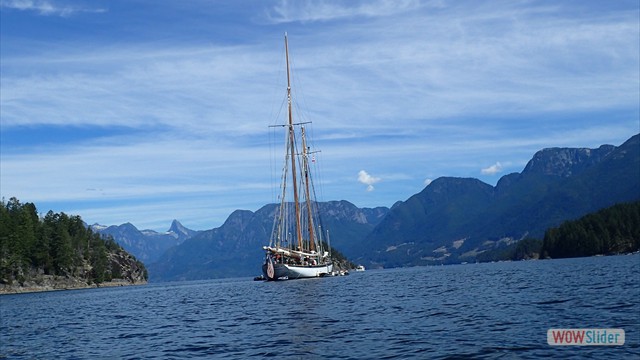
x: 235, y: 248
x: 454, y: 219
x: 146, y: 245
x: 450, y: 221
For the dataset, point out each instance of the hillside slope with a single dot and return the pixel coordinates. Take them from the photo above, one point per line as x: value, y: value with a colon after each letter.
x: 453, y: 219
x: 235, y: 248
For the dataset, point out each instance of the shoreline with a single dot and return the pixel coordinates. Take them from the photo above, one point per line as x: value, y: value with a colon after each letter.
x: 60, y: 284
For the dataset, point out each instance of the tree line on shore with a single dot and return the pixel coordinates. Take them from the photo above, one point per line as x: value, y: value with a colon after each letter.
x: 614, y: 230
x: 59, y: 244
x: 610, y: 231
x: 56, y: 244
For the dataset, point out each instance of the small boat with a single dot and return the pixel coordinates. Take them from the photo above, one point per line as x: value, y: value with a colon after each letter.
x: 297, y: 248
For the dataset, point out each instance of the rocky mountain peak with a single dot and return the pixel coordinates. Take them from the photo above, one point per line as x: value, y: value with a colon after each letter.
x: 565, y: 162
x: 177, y: 228
x: 179, y: 231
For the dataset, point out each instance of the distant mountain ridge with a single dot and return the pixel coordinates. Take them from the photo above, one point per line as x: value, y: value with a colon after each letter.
x: 235, y: 248
x: 146, y: 245
x: 451, y: 220
x: 454, y: 219
x: 565, y: 161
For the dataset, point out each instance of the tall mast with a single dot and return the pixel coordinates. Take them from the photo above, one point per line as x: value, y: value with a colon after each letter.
x: 292, y: 147
x: 305, y: 163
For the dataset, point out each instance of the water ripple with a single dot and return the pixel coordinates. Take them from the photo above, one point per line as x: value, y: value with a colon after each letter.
x: 475, y: 311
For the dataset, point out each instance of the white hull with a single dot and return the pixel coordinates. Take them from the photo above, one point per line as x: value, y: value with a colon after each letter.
x: 274, y: 271
x: 299, y: 272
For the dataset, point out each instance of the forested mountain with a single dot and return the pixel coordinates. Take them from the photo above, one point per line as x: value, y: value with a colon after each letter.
x: 455, y: 219
x: 56, y: 248
x: 612, y: 230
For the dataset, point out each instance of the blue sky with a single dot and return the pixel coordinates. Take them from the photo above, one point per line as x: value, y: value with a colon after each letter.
x: 145, y: 111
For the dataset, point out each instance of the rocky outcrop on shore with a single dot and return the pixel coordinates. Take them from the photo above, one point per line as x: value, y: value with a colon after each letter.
x: 123, y: 270
x: 58, y: 251
x: 55, y: 282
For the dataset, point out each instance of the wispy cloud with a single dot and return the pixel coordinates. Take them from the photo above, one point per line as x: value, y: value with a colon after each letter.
x: 397, y: 87
x: 116, y: 178
x: 135, y: 88
x: 473, y: 59
x: 47, y: 7
x: 287, y: 11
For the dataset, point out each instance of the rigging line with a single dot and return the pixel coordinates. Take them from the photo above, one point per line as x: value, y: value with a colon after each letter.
x: 303, y: 115
x: 317, y: 171
x: 273, y: 143
x: 285, y: 166
x: 320, y: 164
x: 274, y: 102
x: 277, y: 85
x: 271, y: 167
x: 281, y: 214
x: 319, y: 219
x: 299, y: 89
x: 272, y: 138
x: 275, y: 160
x: 277, y: 81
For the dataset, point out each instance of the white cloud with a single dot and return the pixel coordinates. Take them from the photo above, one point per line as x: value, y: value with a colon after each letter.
x: 427, y: 182
x: 140, y: 171
x: 47, y: 7
x: 149, y: 87
x: 367, y: 179
x: 493, y: 169
x: 419, y: 88
x: 310, y: 10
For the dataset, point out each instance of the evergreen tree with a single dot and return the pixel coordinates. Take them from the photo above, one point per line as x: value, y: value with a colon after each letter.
x: 98, y: 260
x: 608, y: 231
x: 57, y: 244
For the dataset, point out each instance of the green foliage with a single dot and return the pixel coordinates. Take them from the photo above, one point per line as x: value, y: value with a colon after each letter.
x: 99, y: 261
x: 527, y: 249
x: 524, y: 249
x: 57, y: 244
x: 612, y: 230
x: 339, y: 257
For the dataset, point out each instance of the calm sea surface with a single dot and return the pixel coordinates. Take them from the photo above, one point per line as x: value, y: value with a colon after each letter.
x: 500, y: 310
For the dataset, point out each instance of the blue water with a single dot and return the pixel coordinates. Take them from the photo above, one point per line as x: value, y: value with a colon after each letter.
x: 500, y: 310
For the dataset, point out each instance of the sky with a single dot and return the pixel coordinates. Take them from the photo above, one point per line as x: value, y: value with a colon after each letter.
x: 146, y: 111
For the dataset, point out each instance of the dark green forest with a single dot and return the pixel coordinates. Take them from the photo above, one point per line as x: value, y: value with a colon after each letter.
x: 613, y: 230
x: 56, y: 244
x: 524, y: 249
x: 339, y: 258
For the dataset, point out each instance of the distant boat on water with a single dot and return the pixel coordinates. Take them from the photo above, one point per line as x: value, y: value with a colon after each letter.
x: 297, y: 247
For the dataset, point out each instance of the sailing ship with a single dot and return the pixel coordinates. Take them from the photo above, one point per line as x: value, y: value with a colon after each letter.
x: 297, y: 248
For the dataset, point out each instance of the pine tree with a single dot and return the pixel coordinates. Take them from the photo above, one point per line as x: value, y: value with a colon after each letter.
x: 608, y: 231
